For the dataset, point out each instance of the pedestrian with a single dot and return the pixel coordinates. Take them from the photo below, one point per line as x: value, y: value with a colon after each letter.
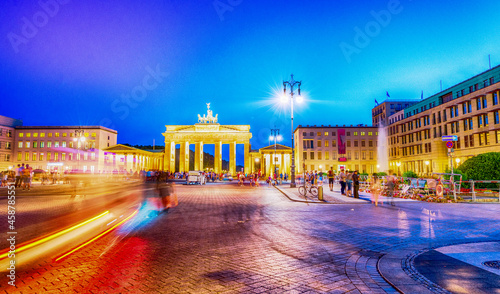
x: 19, y: 175
x: 355, y: 182
x: 391, y: 181
x: 349, y: 184
x: 27, y: 174
x: 330, y: 178
x: 342, y: 178
x: 375, y: 189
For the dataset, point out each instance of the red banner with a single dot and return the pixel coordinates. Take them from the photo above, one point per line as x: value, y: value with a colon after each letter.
x: 341, y: 140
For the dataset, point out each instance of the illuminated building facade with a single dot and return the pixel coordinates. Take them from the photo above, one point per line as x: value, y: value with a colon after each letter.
x: 469, y: 110
x: 350, y: 148
x: 7, y: 133
x: 61, y: 148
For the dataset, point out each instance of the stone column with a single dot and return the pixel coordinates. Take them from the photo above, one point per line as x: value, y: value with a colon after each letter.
x: 198, y: 156
x: 247, y: 159
x: 232, y: 158
x: 184, y: 157
x: 134, y: 162
x: 169, y: 157
x: 218, y: 157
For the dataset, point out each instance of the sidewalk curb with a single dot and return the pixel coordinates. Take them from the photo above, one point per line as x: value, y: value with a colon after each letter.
x: 315, y: 202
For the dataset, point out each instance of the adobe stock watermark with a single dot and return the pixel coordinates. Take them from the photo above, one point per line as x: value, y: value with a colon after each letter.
x: 223, y: 6
x: 372, y: 29
x: 30, y: 26
x: 139, y: 93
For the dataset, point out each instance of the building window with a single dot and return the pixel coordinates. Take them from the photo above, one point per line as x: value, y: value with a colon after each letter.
x: 327, y: 143
x: 64, y: 144
x: 334, y: 133
x: 35, y: 144
x: 485, y: 102
x: 28, y: 144
x: 42, y: 144
x: 356, y: 155
x: 478, y: 103
x: 304, y: 134
x: 497, y: 136
x: 363, y: 155
x: 355, y: 133
x: 311, y: 134
x: 56, y: 144
x: 471, y: 140
x: 371, y: 155
x: 42, y: 135
x: 63, y: 156
x: 495, y: 117
x: 312, y: 155
x: 495, y: 98
x: 41, y: 157
x: 319, y: 134
x: 49, y: 135
x: 21, y: 135
x: 362, y: 143
x: 348, y: 143
x: 28, y: 135
x: 319, y: 143
x: 349, y: 155
x: 64, y: 134
x: 370, y: 143
x: 57, y: 135
x: 70, y: 156
x: 20, y: 144
x: 20, y: 155
x: 319, y: 155
x: 327, y: 154
x: 49, y: 156
x: 49, y: 144
x: 355, y: 143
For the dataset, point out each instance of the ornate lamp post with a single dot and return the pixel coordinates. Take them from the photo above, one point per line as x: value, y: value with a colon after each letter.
x: 292, y: 83
x: 79, y: 138
x: 275, y: 135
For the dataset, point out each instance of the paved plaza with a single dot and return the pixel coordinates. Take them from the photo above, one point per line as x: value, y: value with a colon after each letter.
x: 223, y: 238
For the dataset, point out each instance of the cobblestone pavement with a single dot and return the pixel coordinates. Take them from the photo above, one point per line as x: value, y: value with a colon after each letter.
x: 230, y: 239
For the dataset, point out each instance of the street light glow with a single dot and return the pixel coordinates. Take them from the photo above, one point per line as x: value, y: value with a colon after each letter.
x: 279, y: 138
x: 427, y: 162
x: 300, y: 99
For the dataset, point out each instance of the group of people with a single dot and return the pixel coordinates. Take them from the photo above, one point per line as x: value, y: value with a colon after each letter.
x: 349, y: 182
x: 24, y: 175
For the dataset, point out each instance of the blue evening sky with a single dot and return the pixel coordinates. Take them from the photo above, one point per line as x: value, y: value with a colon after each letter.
x: 137, y: 66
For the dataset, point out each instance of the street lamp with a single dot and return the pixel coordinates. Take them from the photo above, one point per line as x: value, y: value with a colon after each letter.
x: 79, y: 138
x: 275, y: 135
x: 427, y: 166
x: 292, y: 83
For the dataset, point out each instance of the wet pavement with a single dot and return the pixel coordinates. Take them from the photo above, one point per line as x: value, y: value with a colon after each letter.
x: 230, y: 239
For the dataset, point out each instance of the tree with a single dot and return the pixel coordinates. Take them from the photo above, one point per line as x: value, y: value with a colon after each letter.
x: 410, y: 174
x: 482, y: 167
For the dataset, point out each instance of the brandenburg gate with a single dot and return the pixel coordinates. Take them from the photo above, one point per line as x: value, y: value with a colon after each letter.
x: 206, y: 131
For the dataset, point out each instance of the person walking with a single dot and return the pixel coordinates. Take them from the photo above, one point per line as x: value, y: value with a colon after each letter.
x: 27, y: 173
x: 391, y: 181
x: 349, y: 184
x: 355, y: 182
x: 331, y: 176
x: 375, y: 189
x: 19, y: 175
x: 342, y: 178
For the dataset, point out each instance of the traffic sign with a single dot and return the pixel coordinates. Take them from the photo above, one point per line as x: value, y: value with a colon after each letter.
x: 449, y: 138
x: 449, y: 144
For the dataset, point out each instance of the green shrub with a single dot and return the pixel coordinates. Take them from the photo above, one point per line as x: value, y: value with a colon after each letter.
x: 381, y: 174
x: 482, y: 167
x: 410, y: 174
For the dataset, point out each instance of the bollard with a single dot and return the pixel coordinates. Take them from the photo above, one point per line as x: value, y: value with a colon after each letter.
x: 320, y: 193
x: 473, y: 192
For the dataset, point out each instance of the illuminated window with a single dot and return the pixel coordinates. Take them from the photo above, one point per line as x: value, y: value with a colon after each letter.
x: 28, y: 144
x: 42, y: 144
x: 64, y: 144
x: 42, y: 135
x: 70, y: 156
x: 56, y: 144
x: 327, y: 154
x: 50, y: 135
x: 26, y: 156
x: 21, y: 135
x: 71, y: 134
x: 304, y: 155
x: 319, y: 143
x: 355, y: 133
x: 327, y: 143
x: 49, y: 156
x: 371, y: 155
x: 370, y: 133
x: 86, y: 134
x: 28, y: 135
x: 20, y: 144
x: 92, y: 156
x: 363, y: 155
x: 78, y: 156
x: 334, y: 143
x: 41, y: 157
x: 85, y: 156
x: 312, y: 154
x: 356, y: 155
x: 93, y: 135
x: 70, y: 144
x: 20, y: 156
x: 56, y: 156
x: 35, y: 144
x: 57, y: 135
x: 362, y: 133
x: 349, y: 155
x: 319, y: 155
x: 326, y: 134
x: 63, y: 156
x: 64, y: 134
x: 49, y: 144
x: 34, y: 156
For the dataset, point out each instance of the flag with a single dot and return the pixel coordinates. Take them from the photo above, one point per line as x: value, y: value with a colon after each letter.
x: 422, y: 96
x: 386, y: 92
x: 376, y: 101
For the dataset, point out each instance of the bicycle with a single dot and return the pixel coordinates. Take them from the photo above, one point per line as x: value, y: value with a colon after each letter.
x: 308, y: 188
